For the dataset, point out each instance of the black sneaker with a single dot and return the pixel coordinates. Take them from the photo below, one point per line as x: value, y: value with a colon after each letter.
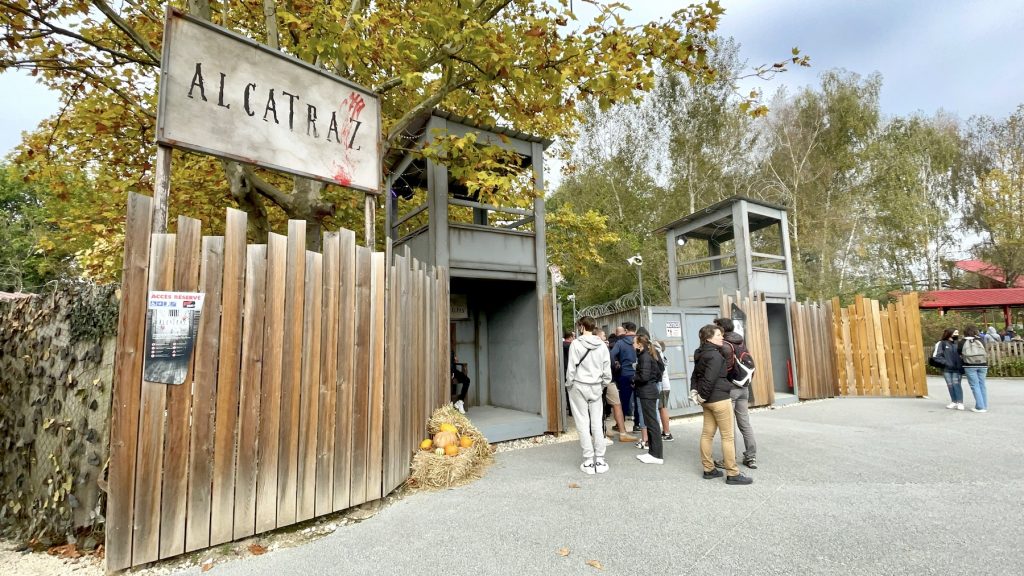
x: 738, y: 479
x: 716, y: 473
x: 667, y: 438
x: 636, y: 428
x: 720, y: 464
x: 750, y: 463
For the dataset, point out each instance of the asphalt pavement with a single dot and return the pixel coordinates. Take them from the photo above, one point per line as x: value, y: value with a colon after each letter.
x: 859, y: 486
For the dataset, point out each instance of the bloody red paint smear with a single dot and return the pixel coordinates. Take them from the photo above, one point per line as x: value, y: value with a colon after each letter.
x: 342, y: 177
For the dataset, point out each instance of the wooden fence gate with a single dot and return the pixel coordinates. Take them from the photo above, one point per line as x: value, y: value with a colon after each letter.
x: 311, y: 382
x: 860, y: 350
x: 762, y: 388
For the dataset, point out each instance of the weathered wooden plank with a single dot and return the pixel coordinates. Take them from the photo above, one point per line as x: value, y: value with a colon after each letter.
x: 326, y: 430
x: 361, y: 396
x: 179, y: 405
x: 309, y: 413
x: 249, y: 393
x: 885, y: 329
x: 148, y: 467
x: 269, y: 444
x: 229, y: 354
x: 346, y: 370
x: 392, y: 424
x: 859, y: 340
x: 375, y: 465
x: 551, y: 364
x: 127, y: 384
x: 883, y: 369
x: 291, y: 373
x: 839, y: 346
x: 917, y: 363
x: 204, y: 399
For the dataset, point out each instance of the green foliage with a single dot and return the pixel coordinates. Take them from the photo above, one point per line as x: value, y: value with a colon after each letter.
x: 998, y: 201
x: 1013, y: 368
x: 29, y: 257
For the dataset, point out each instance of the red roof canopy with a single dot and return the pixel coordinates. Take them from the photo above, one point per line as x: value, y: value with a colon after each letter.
x: 987, y: 270
x: 990, y: 298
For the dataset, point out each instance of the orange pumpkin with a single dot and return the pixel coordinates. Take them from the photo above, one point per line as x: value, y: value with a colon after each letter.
x: 465, y: 442
x: 444, y: 439
x: 426, y: 444
x: 451, y: 450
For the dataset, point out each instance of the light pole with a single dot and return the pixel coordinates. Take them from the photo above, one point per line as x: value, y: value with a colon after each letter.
x: 572, y: 298
x: 638, y: 261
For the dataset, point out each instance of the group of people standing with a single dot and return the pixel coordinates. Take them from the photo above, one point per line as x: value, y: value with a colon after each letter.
x: 641, y: 381
x: 958, y: 358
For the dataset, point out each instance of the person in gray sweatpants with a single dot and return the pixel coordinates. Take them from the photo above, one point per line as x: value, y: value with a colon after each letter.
x: 740, y: 395
x: 588, y: 371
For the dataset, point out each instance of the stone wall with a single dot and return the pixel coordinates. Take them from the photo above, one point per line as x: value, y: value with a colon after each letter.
x: 56, y: 368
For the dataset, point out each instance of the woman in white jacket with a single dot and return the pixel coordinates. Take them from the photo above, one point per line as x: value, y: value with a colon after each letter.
x: 589, y: 371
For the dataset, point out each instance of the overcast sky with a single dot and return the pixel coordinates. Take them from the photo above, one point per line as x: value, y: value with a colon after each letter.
x: 958, y: 55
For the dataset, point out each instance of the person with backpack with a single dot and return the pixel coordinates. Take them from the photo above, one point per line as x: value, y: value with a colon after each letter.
x: 646, y: 380
x: 739, y: 368
x: 975, y: 363
x: 946, y: 356
x: 589, y: 370
x: 710, y: 388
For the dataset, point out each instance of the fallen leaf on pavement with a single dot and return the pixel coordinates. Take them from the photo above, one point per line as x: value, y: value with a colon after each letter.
x: 65, y: 551
x: 595, y: 564
x: 206, y: 565
x: 257, y: 549
x: 573, y: 485
x: 563, y: 552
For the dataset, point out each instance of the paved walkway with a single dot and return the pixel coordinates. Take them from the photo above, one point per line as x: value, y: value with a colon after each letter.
x: 845, y: 486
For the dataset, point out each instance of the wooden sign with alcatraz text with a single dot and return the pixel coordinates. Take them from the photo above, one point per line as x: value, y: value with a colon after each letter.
x: 225, y: 95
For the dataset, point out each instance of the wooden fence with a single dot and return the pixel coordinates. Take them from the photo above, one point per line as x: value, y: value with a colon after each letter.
x: 762, y: 389
x: 1002, y: 352
x: 294, y: 405
x: 859, y: 350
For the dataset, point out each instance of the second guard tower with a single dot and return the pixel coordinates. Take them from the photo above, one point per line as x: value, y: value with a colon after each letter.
x: 737, y: 245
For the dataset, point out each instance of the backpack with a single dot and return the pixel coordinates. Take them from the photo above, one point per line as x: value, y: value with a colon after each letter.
x: 974, y: 352
x: 739, y: 365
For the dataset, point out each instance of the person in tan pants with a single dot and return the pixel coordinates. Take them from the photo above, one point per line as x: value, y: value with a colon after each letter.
x: 710, y: 388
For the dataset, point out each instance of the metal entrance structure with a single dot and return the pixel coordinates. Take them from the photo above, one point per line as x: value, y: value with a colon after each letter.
x: 496, y: 257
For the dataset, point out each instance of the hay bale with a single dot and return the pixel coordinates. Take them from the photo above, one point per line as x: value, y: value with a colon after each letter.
x: 432, y: 471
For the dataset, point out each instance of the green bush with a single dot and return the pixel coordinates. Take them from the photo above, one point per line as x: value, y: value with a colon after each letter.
x: 1010, y: 368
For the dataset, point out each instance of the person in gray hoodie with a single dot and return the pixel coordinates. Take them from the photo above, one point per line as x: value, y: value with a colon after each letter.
x: 589, y: 370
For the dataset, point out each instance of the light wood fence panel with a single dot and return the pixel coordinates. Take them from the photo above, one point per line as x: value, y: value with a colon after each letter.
x: 860, y: 350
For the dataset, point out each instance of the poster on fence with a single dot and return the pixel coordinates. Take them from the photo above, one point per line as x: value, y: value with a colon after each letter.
x: 172, y: 322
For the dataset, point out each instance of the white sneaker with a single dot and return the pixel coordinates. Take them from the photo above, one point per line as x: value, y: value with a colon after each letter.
x: 978, y: 410
x: 588, y: 467
x: 951, y: 405
x: 461, y: 407
x: 601, y: 466
x: 648, y: 459
x: 959, y: 406
x: 608, y: 441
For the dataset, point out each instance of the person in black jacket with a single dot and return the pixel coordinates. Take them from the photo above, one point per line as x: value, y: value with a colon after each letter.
x: 645, y: 387
x: 952, y: 367
x: 711, y: 389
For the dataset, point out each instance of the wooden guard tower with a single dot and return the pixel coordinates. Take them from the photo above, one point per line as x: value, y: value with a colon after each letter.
x: 744, y: 249
x: 737, y: 259
x: 496, y: 258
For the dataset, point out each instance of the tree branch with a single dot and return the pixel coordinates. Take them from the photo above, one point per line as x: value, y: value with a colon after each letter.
x: 65, y: 32
x: 131, y: 32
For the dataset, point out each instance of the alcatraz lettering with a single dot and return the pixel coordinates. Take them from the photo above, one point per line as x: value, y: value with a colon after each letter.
x: 252, y: 98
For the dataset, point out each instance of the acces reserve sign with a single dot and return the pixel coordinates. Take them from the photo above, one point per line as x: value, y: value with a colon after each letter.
x: 225, y: 95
